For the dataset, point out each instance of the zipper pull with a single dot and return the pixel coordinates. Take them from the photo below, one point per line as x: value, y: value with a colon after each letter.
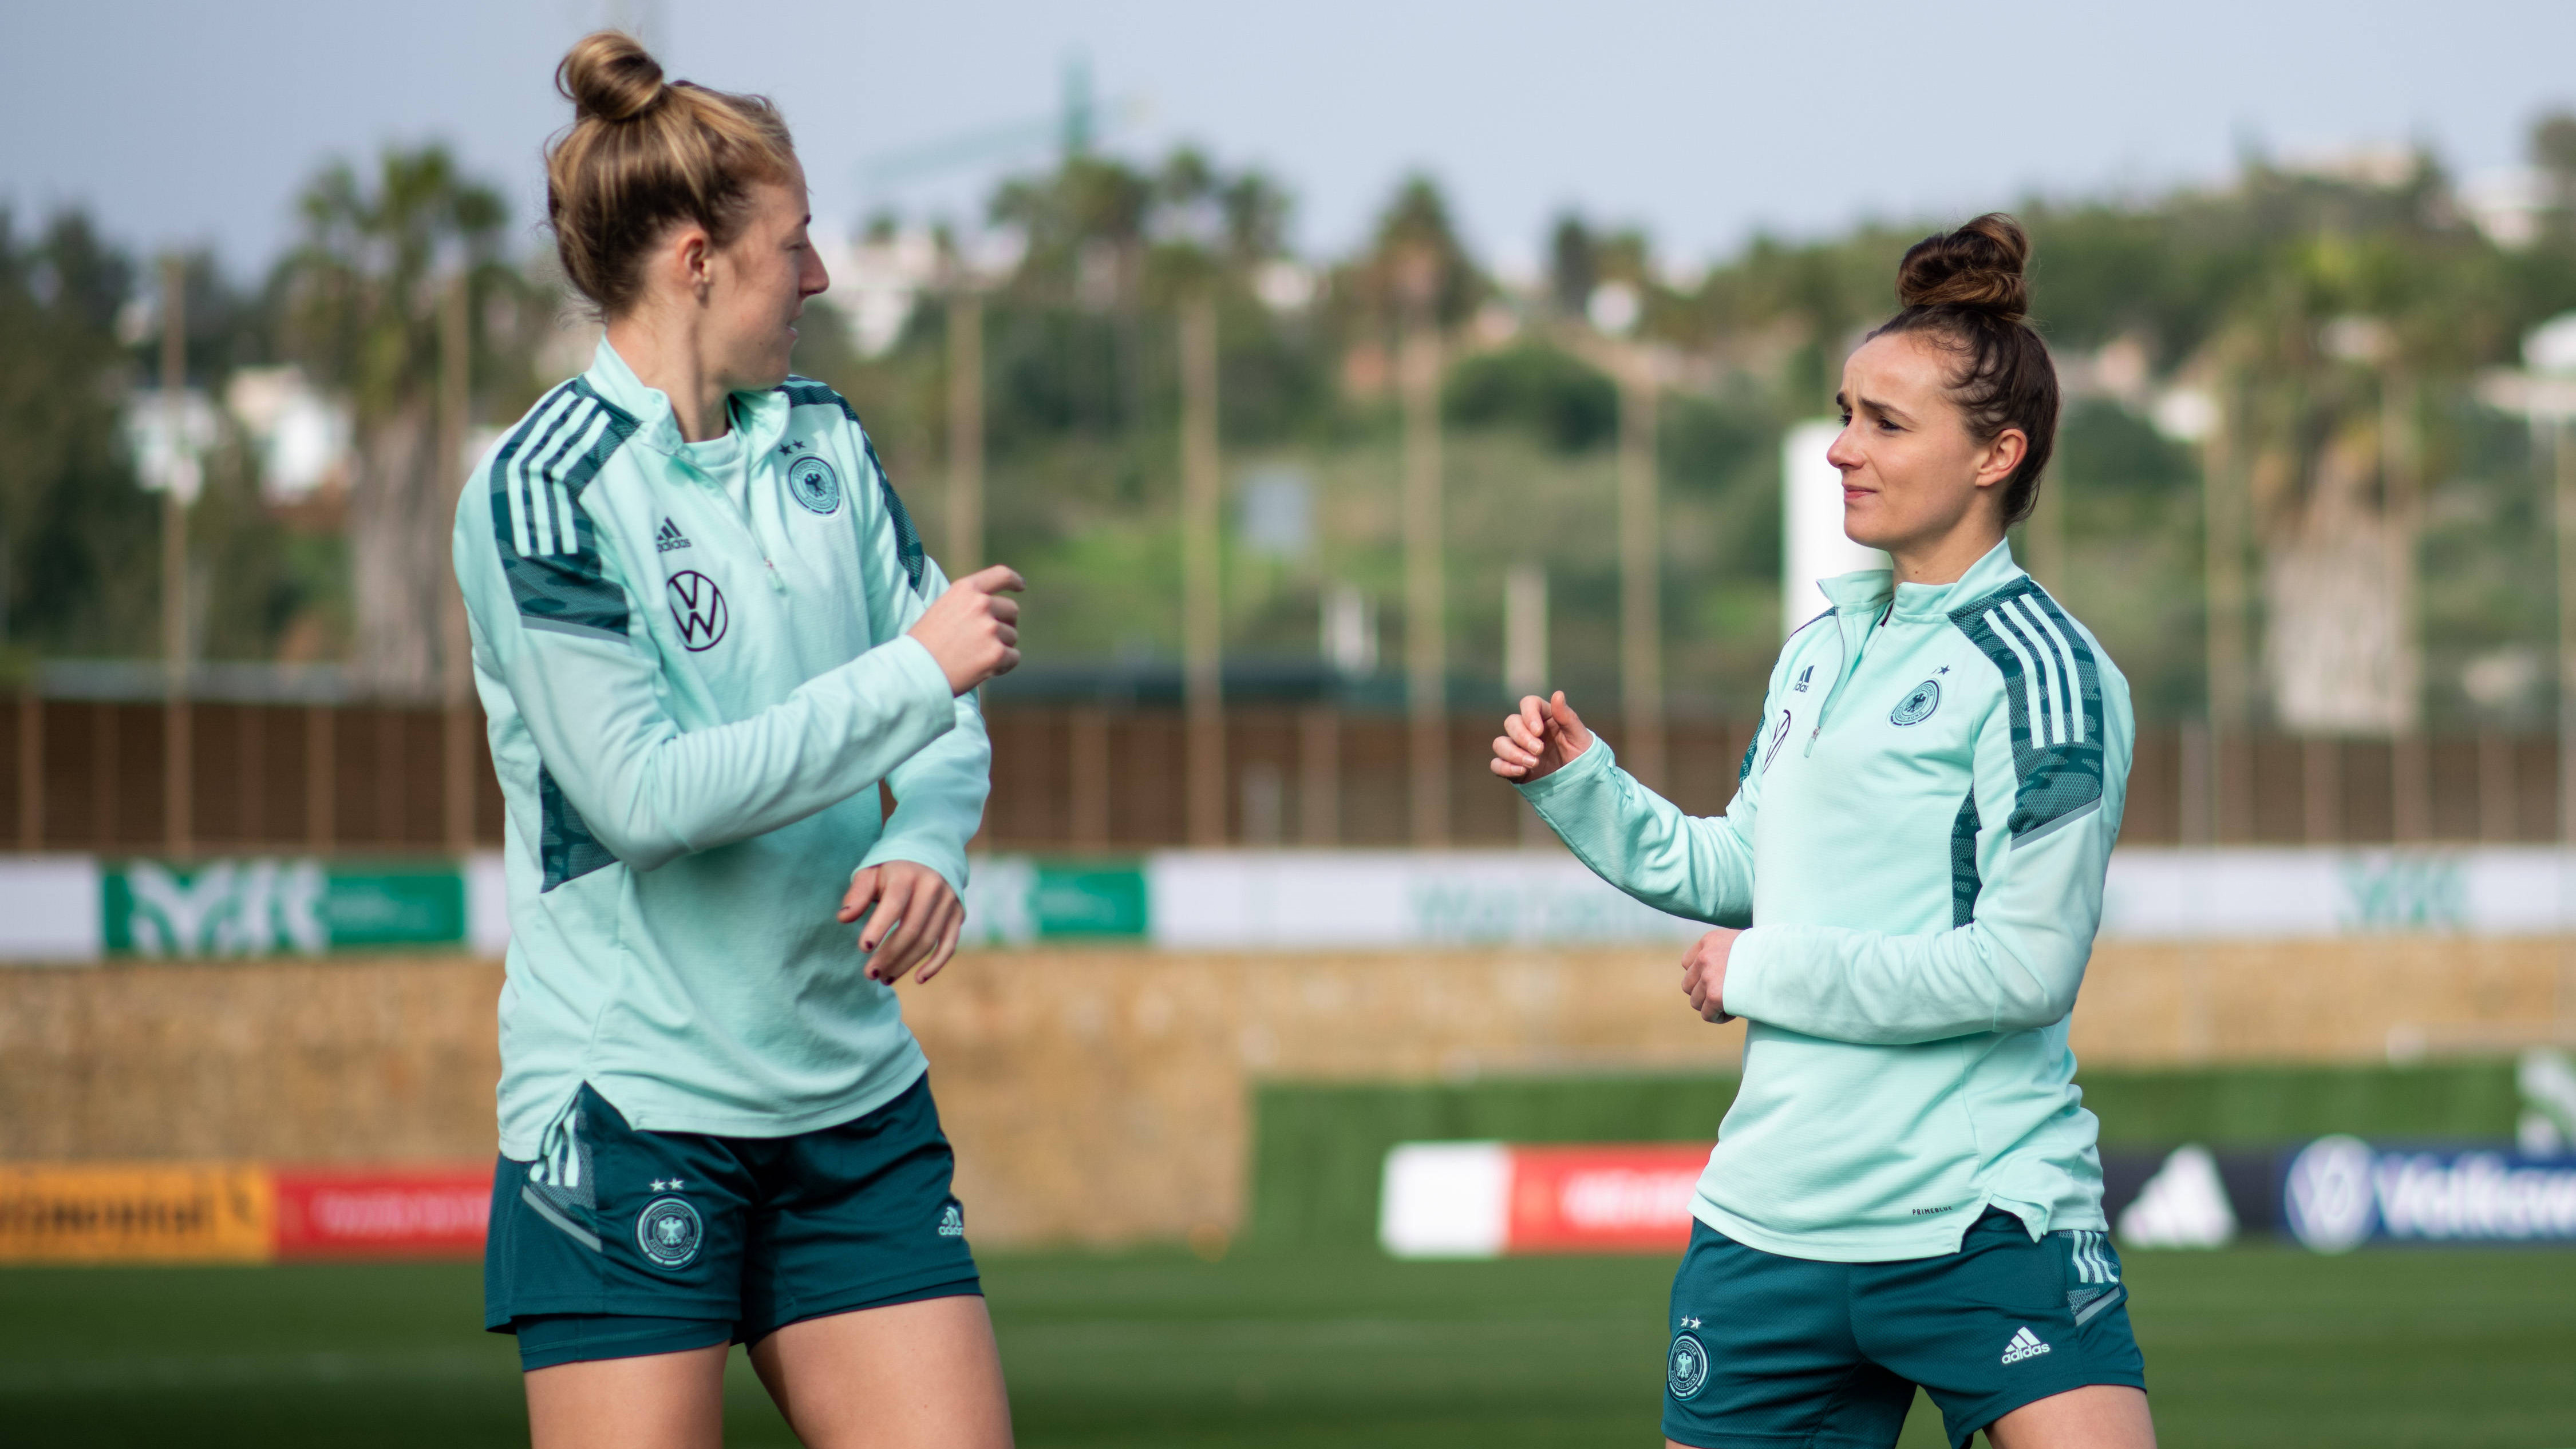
x: 777, y: 582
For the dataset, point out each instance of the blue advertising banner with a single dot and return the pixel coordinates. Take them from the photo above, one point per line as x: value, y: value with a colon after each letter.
x: 2340, y: 1192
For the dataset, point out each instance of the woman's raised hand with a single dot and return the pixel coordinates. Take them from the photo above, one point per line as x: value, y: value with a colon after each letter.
x: 972, y: 630
x: 1543, y: 738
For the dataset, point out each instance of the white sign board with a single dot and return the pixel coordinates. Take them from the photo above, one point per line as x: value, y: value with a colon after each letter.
x: 1812, y: 543
x: 1363, y: 899
x: 49, y: 910
x: 2169, y: 895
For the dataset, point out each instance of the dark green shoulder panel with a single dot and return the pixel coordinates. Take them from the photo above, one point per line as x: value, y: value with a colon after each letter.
x: 566, y: 848
x: 805, y: 392
x: 2053, y: 694
x: 549, y: 548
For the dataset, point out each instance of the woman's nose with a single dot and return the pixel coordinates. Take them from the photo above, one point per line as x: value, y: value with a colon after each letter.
x: 1842, y: 454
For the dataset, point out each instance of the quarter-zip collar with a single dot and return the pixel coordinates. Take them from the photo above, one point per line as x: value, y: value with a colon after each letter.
x: 1872, y: 591
x: 1864, y: 600
x: 761, y: 415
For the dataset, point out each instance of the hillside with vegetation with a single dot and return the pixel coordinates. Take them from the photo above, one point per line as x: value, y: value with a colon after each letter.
x: 2318, y: 342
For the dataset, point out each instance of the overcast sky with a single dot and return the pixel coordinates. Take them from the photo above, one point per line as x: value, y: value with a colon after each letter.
x: 195, y: 123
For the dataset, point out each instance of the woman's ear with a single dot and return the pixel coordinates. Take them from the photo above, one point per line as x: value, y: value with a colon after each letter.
x: 2002, y: 456
x: 695, y: 255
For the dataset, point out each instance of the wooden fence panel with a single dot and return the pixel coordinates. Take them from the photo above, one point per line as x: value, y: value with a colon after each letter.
x: 366, y: 779
x: 2369, y: 793
x: 2152, y: 814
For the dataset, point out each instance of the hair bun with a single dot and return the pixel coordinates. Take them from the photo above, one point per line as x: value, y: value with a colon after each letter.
x: 1978, y: 267
x: 608, y: 75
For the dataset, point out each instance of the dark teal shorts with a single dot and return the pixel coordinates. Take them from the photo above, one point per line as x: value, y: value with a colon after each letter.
x: 621, y: 1243
x: 1772, y: 1351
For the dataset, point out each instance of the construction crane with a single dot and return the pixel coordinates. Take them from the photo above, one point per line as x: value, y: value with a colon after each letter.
x: 1074, y: 129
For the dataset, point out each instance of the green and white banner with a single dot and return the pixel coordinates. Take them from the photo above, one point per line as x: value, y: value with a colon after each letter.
x: 1014, y: 900
x: 73, y: 909
x: 76, y: 909
x: 1392, y: 899
x: 270, y: 906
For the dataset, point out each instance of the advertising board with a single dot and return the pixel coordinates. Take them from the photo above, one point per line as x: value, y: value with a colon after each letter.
x: 380, y: 1212
x: 110, y: 1212
x: 72, y: 909
x: 1626, y: 1198
x: 239, y: 1212
x: 2338, y: 1193
x: 1495, y: 1199
x: 2333, y: 1194
x: 278, y: 906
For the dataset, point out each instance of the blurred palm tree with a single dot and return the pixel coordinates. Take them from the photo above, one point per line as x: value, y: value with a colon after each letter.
x: 363, y: 296
x: 72, y: 521
x: 2343, y: 330
x: 1416, y: 266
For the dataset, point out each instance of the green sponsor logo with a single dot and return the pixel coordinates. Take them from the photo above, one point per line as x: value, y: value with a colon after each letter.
x: 1089, y: 900
x: 2404, y: 892
x: 1013, y: 900
x: 266, y: 907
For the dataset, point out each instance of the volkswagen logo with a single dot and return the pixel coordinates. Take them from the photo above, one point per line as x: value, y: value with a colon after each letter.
x: 698, y: 608
x: 2329, y: 1197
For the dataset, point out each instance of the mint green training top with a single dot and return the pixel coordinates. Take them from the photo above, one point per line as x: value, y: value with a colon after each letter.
x: 1917, y: 841
x: 692, y: 696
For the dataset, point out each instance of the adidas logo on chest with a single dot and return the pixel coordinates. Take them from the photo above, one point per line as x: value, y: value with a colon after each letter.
x: 668, y: 537
x: 2025, y: 1344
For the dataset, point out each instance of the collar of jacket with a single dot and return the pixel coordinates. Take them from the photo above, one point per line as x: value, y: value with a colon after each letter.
x: 761, y: 415
x: 1869, y: 589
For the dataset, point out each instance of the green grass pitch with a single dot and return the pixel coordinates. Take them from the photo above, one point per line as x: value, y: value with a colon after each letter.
x: 2253, y: 1346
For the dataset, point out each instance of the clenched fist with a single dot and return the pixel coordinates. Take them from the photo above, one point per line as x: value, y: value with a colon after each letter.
x: 1704, y: 974
x: 972, y: 630
x: 1542, y: 738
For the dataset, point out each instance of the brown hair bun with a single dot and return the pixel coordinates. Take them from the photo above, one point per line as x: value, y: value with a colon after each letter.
x: 1964, y: 292
x: 1979, y: 266
x: 610, y: 76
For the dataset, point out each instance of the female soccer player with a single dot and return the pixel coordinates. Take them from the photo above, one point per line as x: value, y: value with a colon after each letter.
x: 704, y: 631
x: 1906, y: 1190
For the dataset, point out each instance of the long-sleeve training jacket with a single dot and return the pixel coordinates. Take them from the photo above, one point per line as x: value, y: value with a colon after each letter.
x: 1917, y: 841
x: 692, y: 699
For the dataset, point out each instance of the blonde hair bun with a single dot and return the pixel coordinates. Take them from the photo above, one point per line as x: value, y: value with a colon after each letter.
x: 610, y: 76
x: 643, y: 154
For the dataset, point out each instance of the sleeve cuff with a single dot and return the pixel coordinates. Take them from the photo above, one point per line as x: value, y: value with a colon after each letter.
x: 951, y: 867
x: 911, y: 659
x: 1749, y: 965
x: 1584, y: 769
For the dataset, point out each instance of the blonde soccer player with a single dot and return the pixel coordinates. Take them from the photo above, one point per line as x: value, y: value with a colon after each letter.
x: 704, y: 632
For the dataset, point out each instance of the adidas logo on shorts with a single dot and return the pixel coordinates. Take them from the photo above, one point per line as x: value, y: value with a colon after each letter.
x: 952, y: 1223
x: 2025, y: 1344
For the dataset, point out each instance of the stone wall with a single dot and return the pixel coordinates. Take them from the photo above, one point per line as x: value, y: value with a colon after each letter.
x: 1098, y: 1096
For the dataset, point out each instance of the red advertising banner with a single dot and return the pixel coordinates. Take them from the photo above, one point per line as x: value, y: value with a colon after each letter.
x: 381, y: 1212
x: 1608, y: 1198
